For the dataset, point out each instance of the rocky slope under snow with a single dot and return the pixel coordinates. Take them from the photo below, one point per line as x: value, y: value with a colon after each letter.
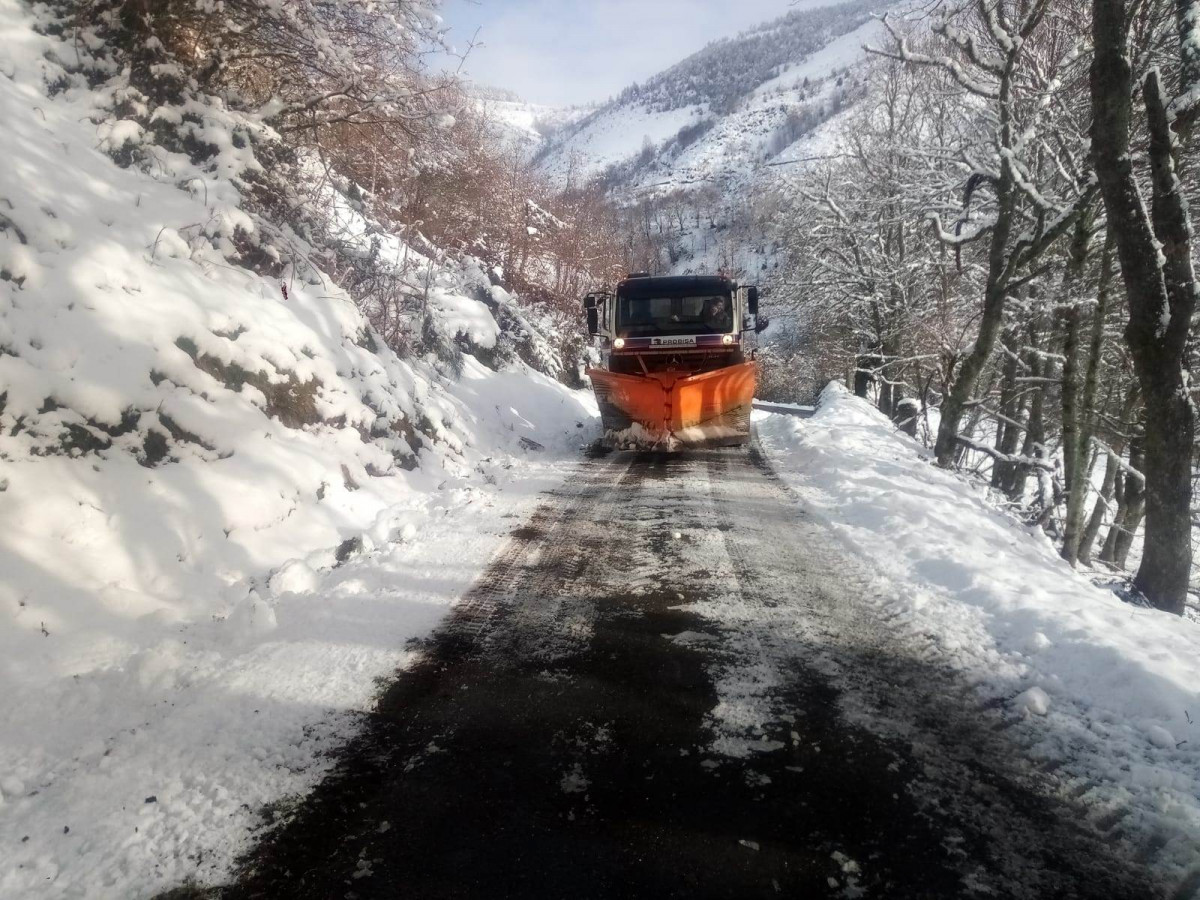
x: 225, y: 505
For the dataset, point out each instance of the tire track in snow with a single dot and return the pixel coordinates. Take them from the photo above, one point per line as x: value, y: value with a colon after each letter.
x: 515, y: 562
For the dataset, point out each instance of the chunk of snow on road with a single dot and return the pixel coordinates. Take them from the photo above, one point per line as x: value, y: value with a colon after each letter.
x: 253, y: 617
x: 1037, y: 643
x: 295, y: 577
x: 1160, y: 737
x: 848, y: 865
x: 691, y: 637
x: 1034, y: 700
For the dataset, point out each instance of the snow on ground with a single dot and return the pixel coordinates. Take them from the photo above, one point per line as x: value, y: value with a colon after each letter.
x: 739, y: 142
x: 843, y: 51
x: 614, y: 136
x: 525, y: 124
x: 224, y: 507
x: 737, y: 146
x: 1110, y: 691
x: 152, y: 767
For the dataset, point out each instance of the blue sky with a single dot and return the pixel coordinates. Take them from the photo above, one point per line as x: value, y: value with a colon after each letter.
x: 574, y: 51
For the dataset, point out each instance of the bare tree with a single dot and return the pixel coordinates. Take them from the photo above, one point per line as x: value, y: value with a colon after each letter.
x: 996, y: 55
x: 1154, y: 246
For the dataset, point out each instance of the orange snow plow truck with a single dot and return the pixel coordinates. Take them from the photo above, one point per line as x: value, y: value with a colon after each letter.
x: 676, y: 370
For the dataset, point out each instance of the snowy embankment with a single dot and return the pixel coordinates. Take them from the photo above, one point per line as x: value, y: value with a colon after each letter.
x: 1109, y: 693
x: 225, y: 507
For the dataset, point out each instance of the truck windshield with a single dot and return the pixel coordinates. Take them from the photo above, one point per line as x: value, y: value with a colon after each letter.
x: 641, y: 316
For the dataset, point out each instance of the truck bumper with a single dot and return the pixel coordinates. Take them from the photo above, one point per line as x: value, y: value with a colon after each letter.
x: 676, y: 409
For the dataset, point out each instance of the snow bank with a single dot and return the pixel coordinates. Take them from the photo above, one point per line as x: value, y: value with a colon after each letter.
x: 1110, y: 691
x: 224, y: 506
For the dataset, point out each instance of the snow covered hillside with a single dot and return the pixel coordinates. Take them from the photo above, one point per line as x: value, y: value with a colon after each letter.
x: 524, y: 125
x: 1101, y: 692
x: 697, y: 154
x: 724, y: 112
x: 225, y: 505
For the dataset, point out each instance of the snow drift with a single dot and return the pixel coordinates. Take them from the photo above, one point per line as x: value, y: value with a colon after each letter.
x: 1109, y: 692
x: 224, y: 505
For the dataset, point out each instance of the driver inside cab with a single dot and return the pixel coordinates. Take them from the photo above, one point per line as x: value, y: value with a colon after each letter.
x: 716, y: 317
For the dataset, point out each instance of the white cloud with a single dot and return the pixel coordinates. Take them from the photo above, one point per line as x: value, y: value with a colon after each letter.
x: 575, y: 51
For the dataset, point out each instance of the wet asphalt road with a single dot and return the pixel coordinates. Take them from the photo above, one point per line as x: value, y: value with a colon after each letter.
x: 671, y: 684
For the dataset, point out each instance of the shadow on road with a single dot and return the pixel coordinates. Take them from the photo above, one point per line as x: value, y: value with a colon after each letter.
x: 556, y: 738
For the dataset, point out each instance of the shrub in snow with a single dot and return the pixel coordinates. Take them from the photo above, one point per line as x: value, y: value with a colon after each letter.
x: 184, y: 96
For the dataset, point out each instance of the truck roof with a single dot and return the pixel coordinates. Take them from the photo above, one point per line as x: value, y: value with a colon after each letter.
x: 674, y: 286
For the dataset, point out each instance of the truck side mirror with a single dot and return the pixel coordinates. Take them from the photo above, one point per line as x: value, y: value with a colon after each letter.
x: 593, y: 319
x: 752, y: 300
x: 589, y: 302
x: 761, y: 325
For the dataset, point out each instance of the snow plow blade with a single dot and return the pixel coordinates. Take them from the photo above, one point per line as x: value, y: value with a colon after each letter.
x: 676, y: 409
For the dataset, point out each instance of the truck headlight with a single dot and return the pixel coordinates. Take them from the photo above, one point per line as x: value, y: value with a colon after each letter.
x: 618, y: 343
x: 727, y: 340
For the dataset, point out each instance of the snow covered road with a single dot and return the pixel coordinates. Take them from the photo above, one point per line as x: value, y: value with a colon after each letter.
x: 673, y: 682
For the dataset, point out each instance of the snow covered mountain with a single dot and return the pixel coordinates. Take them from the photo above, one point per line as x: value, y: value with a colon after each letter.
x: 523, y: 124
x: 696, y: 152
x: 735, y: 107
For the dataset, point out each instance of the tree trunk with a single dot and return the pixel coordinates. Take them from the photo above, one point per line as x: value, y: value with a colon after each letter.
x: 1108, y: 553
x: 1035, y: 439
x: 1155, y: 255
x: 1112, y: 474
x: 866, y: 365
x: 1012, y: 403
x: 887, y: 396
x: 1135, y: 508
x: 1035, y: 425
x: 963, y: 390
x: 908, y: 412
x: 891, y: 349
x: 1170, y: 435
x: 995, y: 295
x: 886, y: 402
x: 1076, y: 411
x: 1092, y: 530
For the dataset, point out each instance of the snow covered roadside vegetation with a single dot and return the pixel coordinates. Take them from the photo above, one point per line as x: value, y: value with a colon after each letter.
x: 225, y: 503
x: 1104, y: 692
x: 1029, y: 326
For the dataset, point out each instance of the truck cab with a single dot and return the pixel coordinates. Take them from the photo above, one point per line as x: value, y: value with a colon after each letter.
x: 651, y: 324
